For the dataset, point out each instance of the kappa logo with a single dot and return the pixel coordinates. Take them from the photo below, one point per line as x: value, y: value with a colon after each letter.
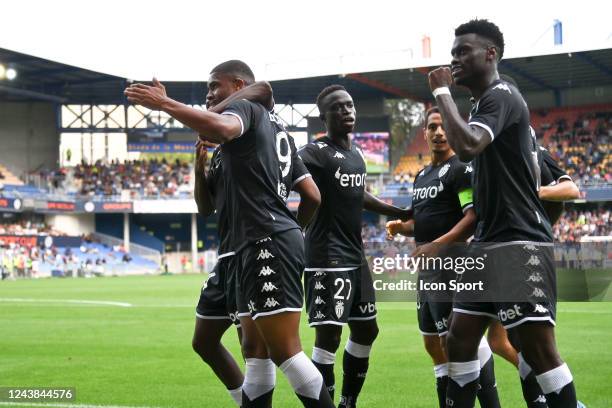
x: 539, y: 293
x: 319, y: 315
x: 540, y: 309
x: 535, y: 277
x: 541, y: 398
x: 321, y: 144
x: 468, y: 169
x: 266, y: 239
x: 319, y: 301
x: 350, y: 179
x: 444, y: 170
x: 319, y: 274
x: 319, y: 286
x: 266, y: 271
x: 338, y: 155
x: 271, y: 302
x: 367, y: 308
x: 268, y: 287
x: 503, y: 87
x: 339, y: 308
x: 264, y: 254
x: 533, y: 261
x: 530, y: 247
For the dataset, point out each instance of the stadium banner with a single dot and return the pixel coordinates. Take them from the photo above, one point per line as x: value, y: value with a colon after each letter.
x: 41, y: 240
x: 169, y: 206
x: 10, y: 204
x: 60, y: 206
x: 502, y: 272
x: 105, y: 206
x: 178, y: 147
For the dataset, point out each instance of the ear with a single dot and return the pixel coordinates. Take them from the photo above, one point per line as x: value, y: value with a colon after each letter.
x: 492, y: 53
x: 239, y: 83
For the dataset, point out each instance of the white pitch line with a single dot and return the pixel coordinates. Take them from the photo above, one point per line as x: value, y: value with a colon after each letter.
x: 63, y: 405
x: 73, y: 301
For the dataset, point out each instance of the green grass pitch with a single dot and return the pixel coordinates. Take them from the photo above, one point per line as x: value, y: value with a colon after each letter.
x: 141, y: 355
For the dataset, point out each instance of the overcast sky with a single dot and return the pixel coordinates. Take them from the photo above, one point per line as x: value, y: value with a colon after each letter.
x: 183, y: 40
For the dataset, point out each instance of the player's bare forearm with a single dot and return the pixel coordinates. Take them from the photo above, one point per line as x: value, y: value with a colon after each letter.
x: 467, y: 141
x: 566, y: 190
x: 259, y: 92
x: 216, y: 128
x: 376, y: 205
x: 461, y: 231
x: 310, y: 200
x: 202, y: 196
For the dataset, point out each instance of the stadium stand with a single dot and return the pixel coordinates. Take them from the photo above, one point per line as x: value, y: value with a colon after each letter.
x: 7, y: 177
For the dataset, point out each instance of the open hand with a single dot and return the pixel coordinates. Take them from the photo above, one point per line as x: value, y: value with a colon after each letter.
x: 150, y: 96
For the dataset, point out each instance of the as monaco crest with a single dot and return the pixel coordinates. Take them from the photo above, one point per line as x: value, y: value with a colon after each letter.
x: 339, y: 308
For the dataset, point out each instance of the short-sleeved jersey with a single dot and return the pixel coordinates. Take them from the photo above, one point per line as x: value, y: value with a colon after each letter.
x: 333, y: 238
x: 506, y: 172
x: 216, y: 188
x: 440, y: 196
x: 254, y: 167
x: 551, y: 173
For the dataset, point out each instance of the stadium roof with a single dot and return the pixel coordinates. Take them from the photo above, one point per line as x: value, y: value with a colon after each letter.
x: 45, y: 80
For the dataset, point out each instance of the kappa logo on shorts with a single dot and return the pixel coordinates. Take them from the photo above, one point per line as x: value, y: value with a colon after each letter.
x: 319, y: 286
x: 339, y: 308
x: 539, y: 293
x: 266, y: 271
x: 319, y: 301
x: 264, y: 254
x: 468, y: 169
x: 530, y: 247
x: 268, y: 287
x: 319, y: 274
x: 266, y: 239
x: 535, y: 277
x: 541, y: 398
x: 533, y: 261
x: 319, y: 315
x: 540, y: 309
x: 271, y: 302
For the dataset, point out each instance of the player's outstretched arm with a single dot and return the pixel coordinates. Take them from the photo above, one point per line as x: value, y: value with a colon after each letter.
x: 259, y: 92
x: 374, y: 204
x: 216, y: 128
x: 203, y: 198
x: 310, y: 199
x: 565, y: 190
x: 467, y: 141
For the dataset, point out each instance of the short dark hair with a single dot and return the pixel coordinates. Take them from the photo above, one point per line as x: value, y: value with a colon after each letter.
x: 431, y: 111
x: 236, y: 68
x: 326, y: 91
x: 486, y: 29
x: 509, y: 79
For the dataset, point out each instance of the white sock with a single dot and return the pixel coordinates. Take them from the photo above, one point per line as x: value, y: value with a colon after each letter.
x: 441, y: 370
x: 322, y: 356
x: 236, y: 395
x: 464, y: 372
x: 484, y: 352
x: 555, y: 379
x: 523, y: 368
x: 259, y: 377
x: 357, y: 350
x: 303, y: 376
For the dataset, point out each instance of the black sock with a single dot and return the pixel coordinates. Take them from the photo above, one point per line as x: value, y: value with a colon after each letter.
x: 487, y: 386
x: 461, y: 397
x: 355, y: 370
x: 566, y: 398
x: 441, y: 385
x: 532, y: 392
x: 324, y: 400
x: 263, y: 401
x: 327, y: 371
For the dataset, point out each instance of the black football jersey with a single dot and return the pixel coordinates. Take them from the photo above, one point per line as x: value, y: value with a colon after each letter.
x: 436, y: 199
x: 551, y: 173
x: 255, y: 165
x: 217, y: 191
x: 506, y: 173
x: 333, y: 238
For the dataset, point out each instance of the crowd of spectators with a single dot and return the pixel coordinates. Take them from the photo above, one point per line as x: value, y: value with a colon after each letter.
x: 28, y: 227
x: 150, y: 178
x: 575, y: 224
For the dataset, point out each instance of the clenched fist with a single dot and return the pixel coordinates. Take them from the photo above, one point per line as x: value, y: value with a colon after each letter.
x: 440, y: 77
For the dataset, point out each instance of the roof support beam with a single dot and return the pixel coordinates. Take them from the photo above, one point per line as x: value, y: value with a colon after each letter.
x: 588, y: 59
